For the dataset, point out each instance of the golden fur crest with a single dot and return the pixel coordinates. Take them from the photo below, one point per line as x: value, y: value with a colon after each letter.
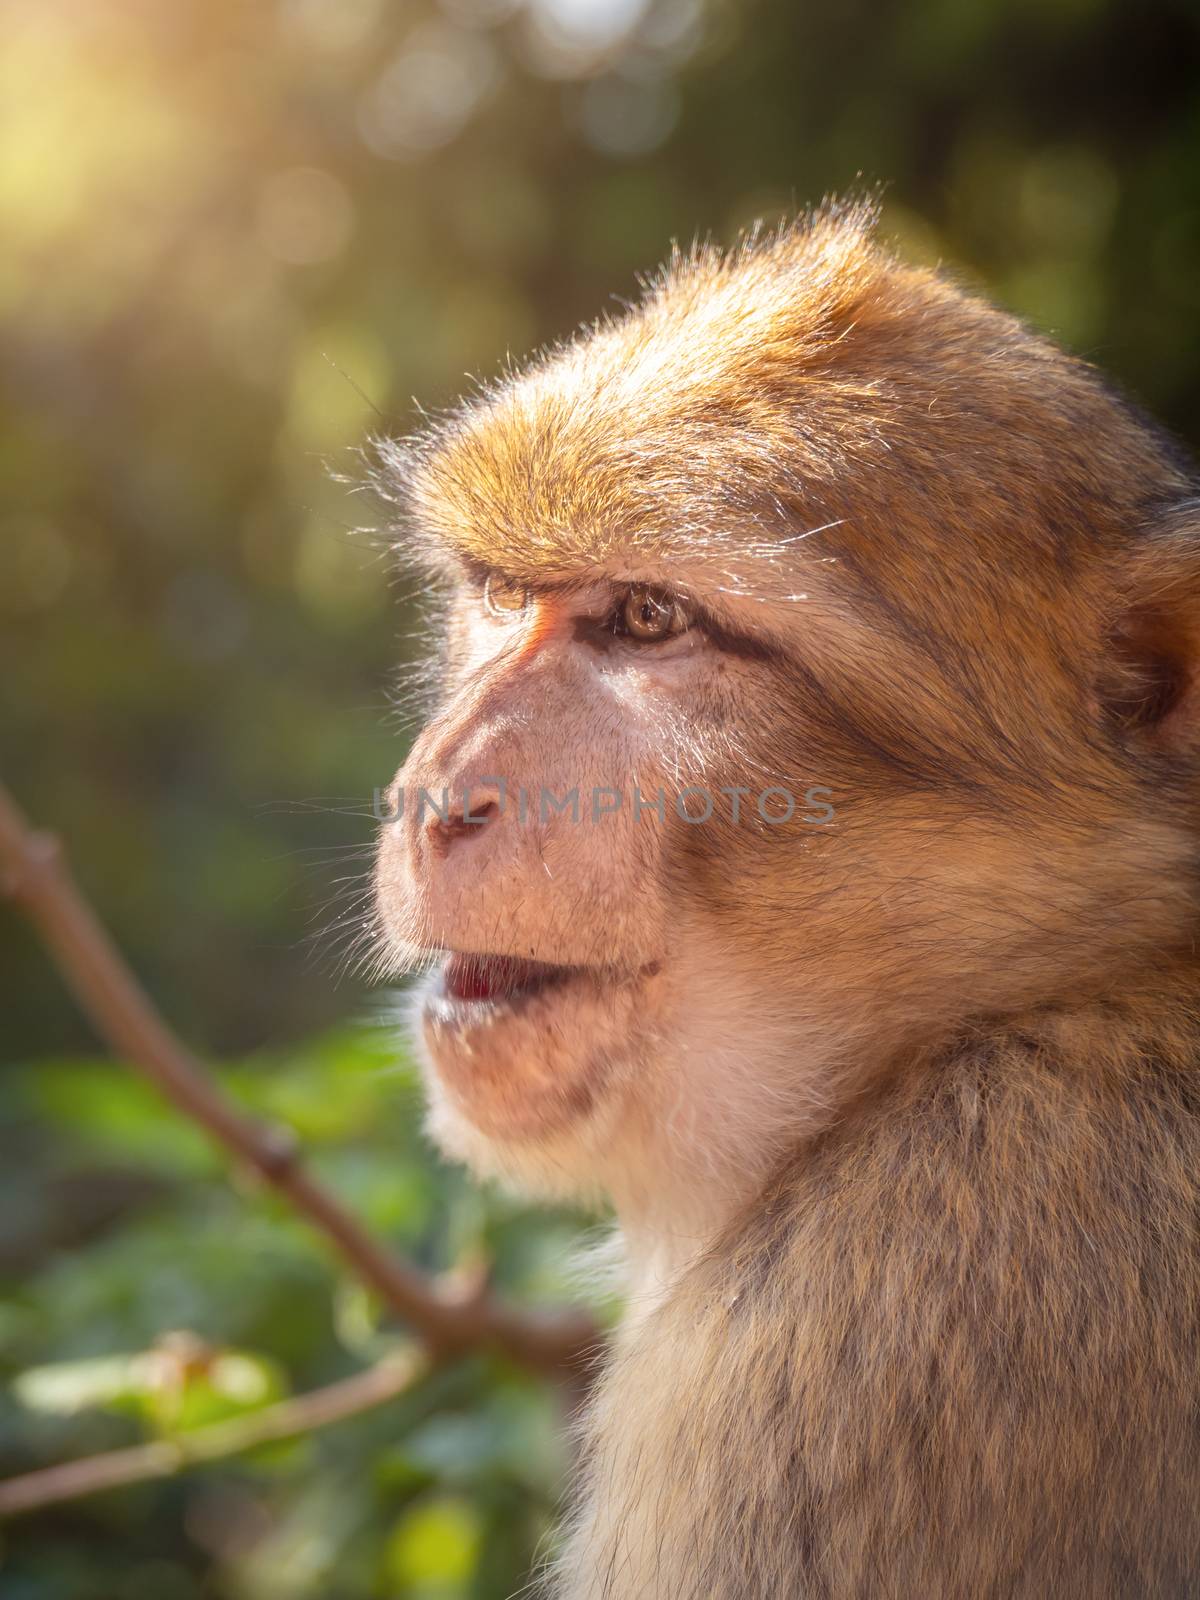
x: 766, y: 390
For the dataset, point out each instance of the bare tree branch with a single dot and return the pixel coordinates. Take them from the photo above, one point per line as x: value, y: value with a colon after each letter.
x: 163, y: 1458
x: 561, y: 1344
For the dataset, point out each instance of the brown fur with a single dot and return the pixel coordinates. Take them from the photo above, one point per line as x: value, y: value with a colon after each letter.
x: 950, y: 1353
x: 936, y: 1333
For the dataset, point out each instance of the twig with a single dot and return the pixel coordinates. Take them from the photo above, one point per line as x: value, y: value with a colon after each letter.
x: 163, y: 1458
x: 561, y: 1344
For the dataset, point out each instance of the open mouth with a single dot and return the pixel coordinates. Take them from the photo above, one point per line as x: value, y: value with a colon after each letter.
x: 499, y: 978
x: 522, y: 1049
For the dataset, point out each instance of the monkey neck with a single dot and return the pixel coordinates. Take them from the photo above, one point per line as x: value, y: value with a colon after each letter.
x: 672, y: 1217
x: 693, y: 1163
x: 657, y: 1254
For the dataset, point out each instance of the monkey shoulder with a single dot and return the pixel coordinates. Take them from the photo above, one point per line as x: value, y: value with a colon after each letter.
x: 953, y: 1349
x: 995, y: 1163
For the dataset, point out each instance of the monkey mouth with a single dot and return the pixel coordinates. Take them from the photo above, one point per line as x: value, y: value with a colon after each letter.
x: 523, y: 1049
x: 477, y: 989
x: 471, y: 977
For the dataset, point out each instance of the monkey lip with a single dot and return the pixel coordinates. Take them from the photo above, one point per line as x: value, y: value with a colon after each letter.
x: 475, y: 989
x: 489, y: 978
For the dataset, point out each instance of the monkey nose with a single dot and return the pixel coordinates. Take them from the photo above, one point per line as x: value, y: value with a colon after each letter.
x: 463, y: 817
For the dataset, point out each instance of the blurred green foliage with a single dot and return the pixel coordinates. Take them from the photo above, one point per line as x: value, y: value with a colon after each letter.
x: 211, y: 1300
x: 240, y: 235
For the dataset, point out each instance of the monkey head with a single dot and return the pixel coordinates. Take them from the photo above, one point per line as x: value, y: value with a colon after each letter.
x: 817, y: 679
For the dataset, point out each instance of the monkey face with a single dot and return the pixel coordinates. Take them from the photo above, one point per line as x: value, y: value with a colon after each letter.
x: 536, y: 851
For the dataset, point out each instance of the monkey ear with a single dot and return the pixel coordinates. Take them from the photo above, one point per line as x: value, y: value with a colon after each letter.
x: 1150, y: 683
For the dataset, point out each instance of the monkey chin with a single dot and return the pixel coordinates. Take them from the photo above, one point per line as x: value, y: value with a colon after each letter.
x: 527, y: 1080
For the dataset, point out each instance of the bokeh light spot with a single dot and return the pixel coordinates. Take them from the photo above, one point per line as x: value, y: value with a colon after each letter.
x: 304, y: 215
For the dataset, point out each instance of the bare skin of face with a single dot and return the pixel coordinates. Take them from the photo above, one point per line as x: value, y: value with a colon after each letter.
x: 896, y: 1096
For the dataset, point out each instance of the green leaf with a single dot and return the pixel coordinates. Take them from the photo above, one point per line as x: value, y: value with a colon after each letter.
x: 110, y: 1113
x: 432, y: 1553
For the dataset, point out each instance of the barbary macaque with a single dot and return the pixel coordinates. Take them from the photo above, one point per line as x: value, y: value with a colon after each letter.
x: 895, y: 1097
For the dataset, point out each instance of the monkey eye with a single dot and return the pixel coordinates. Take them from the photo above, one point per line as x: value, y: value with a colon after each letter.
x: 501, y: 595
x: 649, y: 616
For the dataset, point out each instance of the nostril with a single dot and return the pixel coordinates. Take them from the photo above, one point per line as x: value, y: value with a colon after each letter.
x: 462, y: 822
